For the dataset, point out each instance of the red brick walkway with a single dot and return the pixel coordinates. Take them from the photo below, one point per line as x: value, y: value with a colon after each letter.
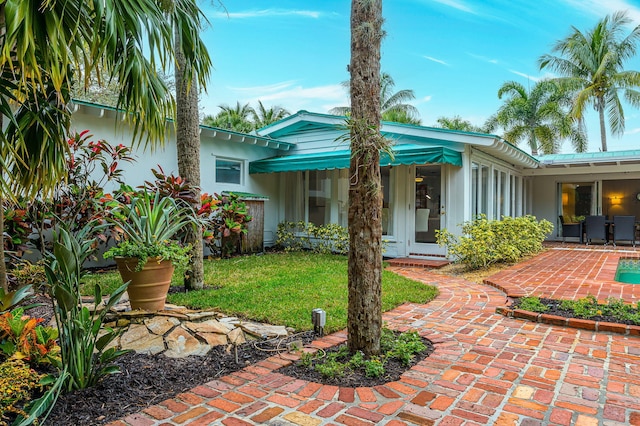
x: 486, y: 370
x: 570, y: 272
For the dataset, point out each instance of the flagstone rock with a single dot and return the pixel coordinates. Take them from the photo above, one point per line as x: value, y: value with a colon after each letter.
x: 161, y: 325
x: 213, y: 339
x: 209, y: 326
x: 231, y: 322
x: 138, y: 338
x: 181, y: 343
x: 202, y: 315
x: 264, y: 330
x: 236, y: 336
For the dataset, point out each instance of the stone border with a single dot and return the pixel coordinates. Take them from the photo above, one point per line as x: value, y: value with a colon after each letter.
x: 584, y: 324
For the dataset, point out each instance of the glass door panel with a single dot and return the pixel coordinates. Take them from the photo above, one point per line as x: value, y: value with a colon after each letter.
x: 427, y: 203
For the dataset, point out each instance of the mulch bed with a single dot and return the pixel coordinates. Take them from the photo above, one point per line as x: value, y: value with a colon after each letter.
x: 145, y: 380
x: 555, y: 309
x: 353, y: 379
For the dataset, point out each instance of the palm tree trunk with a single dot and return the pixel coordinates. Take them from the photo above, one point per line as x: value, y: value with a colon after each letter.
x: 3, y: 265
x: 603, y: 128
x: 188, y: 147
x: 364, y: 317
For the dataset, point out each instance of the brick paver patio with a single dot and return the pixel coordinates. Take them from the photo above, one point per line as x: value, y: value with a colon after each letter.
x: 486, y: 369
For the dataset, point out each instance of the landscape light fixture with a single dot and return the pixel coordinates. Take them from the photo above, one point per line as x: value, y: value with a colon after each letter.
x: 319, y: 319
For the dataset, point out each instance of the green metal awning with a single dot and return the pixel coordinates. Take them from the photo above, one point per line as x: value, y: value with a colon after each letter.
x: 403, y: 154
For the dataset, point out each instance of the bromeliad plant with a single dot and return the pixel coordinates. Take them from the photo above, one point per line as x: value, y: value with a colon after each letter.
x: 149, y: 225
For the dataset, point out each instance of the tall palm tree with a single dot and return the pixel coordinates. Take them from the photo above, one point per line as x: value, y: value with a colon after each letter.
x: 126, y: 40
x: 233, y: 118
x: 392, y: 104
x: 263, y: 116
x: 364, y: 314
x: 188, y: 131
x: 539, y: 116
x: 456, y: 123
x: 396, y: 116
x: 592, y: 65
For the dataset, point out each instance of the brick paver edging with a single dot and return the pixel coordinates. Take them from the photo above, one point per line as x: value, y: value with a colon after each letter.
x: 584, y: 324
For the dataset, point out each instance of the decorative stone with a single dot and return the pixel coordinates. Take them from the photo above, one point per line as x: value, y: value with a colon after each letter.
x: 172, y: 314
x: 123, y: 322
x: 231, y: 322
x: 213, y: 339
x: 161, y: 325
x: 210, y: 326
x: 181, y: 343
x: 138, y: 338
x: 236, y: 336
x: 264, y: 330
x: 202, y: 315
x: 136, y: 314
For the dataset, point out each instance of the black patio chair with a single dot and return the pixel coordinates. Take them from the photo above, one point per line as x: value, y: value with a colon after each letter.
x: 624, y: 228
x: 596, y: 228
x: 570, y: 229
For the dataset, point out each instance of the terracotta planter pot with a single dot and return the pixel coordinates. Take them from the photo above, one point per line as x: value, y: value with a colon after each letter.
x: 148, y: 287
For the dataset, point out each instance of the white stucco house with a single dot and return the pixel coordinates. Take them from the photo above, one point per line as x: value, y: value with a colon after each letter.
x: 436, y: 178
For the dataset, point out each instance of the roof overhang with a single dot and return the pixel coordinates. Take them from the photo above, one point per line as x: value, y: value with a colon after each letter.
x: 590, y: 159
x: 401, y: 133
x: 103, y: 111
x: 403, y: 154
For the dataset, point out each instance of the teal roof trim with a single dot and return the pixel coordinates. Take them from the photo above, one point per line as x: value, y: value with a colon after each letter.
x: 404, y: 154
x: 631, y: 154
x: 237, y: 136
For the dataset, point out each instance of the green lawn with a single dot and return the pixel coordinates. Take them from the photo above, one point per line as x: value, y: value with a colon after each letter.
x: 283, y: 288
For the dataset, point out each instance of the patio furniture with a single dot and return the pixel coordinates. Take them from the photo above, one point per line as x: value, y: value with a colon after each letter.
x: 596, y: 228
x: 624, y: 228
x: 570, y: 229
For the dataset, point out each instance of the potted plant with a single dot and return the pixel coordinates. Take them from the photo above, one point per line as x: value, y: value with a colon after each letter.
x: 148, y: 253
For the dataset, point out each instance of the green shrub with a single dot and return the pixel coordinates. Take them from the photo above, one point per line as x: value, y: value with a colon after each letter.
x: 587, y: 307
x: 374, y: 367
x: 484, y: 242
x: 22, y: 337
x: 19, y: 383
x: 532, y: 304
x: 298, y: 236
x: 403, y: 347
x: 27, y: 273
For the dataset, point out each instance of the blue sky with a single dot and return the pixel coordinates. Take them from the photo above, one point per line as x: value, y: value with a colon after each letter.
x: 454, y: 54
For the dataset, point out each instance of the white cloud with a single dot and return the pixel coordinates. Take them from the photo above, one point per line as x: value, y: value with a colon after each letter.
x: 275, y: 87
x: 483, y: 58
x: 601, y: 8
x: 425, y: 99
x: 456, y: 5
x: 266, y: 13
x: 295, y: 97
x: 632, y: 131
x: 527, y: 76
x: 439, y: 61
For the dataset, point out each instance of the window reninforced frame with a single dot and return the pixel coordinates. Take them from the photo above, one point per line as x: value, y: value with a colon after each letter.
x: 228, y: 170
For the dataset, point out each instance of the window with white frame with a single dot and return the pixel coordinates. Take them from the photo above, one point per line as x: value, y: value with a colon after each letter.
x: 496, y: 191
x: 229, y: 171
x: 323, y: 197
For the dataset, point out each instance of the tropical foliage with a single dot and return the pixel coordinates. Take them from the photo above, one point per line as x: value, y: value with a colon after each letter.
x: 539, y: 116
x: 484, y: 242
x: 149, y: 223
x: 591, y: 65
x: 394, y: 106
x: 86, y: 352
x: 244, y: 118
x: 457, y: 123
